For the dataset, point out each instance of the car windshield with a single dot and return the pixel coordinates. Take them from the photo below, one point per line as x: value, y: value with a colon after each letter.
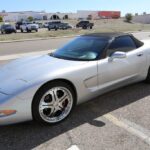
x: 7, y: 26
x: 83, y: 48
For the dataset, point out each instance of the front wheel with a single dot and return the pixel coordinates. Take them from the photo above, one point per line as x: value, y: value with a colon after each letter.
x: 28, y: 30
x: 53, y: 103
x: 148, y: 76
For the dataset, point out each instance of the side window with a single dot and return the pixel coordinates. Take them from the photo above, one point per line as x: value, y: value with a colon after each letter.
x: 123, y: 44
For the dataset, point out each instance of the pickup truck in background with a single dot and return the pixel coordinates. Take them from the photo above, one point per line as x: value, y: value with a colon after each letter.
x: 84, y: 25
x: 29, y: 27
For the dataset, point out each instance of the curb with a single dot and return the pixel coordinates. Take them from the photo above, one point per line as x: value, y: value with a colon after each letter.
x: 142, y: 31
x: 38, y: 39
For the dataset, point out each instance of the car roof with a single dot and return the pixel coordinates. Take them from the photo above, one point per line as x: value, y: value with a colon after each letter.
x: 107, y: 34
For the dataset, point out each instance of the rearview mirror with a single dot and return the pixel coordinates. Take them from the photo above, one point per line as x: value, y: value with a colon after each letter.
x: 118, y: 55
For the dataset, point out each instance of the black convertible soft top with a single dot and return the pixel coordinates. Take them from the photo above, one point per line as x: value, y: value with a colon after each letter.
x: 111, y: 35
x: 107, y: 34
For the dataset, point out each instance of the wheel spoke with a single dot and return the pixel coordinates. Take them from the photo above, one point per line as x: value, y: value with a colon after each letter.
x: 55, y: 94
x: 45, y: 105
x: 64, y: 97
x: 53, y: 110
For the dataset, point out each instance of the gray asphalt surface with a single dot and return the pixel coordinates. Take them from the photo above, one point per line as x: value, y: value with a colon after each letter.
x: 41, y: 45
x: 31, y: 46
x: 87, y: 127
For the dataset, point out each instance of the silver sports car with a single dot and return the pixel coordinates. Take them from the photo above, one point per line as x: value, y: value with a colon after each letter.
x: 47, y: 88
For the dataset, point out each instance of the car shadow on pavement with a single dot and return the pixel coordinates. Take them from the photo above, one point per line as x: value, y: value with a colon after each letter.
x: 31, y: 134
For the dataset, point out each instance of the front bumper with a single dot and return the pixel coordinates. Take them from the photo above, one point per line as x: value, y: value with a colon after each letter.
x: 10, y: 31
x: 34, y: 28
x: 19, y: 107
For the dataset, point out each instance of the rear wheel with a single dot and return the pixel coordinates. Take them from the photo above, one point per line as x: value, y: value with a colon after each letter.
x: 53, y: 103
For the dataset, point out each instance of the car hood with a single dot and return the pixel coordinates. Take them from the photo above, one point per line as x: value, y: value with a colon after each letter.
x: 27, y: 70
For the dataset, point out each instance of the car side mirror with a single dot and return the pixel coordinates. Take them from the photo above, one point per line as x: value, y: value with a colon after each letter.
x: 118, y: 55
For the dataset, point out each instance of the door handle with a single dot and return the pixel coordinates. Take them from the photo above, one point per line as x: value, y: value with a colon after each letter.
x: 140, y: 54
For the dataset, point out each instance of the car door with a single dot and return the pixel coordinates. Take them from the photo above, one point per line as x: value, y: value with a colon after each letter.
x: 121, y: 71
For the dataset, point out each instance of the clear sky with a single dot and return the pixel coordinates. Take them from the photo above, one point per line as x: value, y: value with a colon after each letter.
x: 124, y: 6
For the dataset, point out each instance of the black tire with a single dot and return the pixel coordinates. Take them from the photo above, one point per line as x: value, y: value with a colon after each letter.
x: 91, y: 27
x: 148, y: 76
x: 21, y: 30
x: 39, y: 95
x: 36, y: 30
x: 28, y: 30
x: 49, y: 29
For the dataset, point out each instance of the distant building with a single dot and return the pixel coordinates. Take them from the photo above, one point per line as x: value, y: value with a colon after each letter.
x: 85, y: 14
x: 109, y: 14
x: 142, y: 19
x: 58, y: 15
x: 3, y: 14
x: 42, y: 15
x: 23, y: 15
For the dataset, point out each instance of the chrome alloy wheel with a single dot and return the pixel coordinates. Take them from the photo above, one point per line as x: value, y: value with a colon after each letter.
x: 56, y: 104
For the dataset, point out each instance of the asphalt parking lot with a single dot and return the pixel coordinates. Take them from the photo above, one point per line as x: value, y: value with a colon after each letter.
x: 118, y: 120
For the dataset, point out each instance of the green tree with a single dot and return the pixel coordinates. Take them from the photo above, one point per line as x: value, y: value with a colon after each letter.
x: 1, y: 19
x: 128, y: 17
x: 30, y: 18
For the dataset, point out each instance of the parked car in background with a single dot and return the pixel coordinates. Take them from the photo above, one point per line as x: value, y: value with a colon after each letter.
x: 46, y: 24
x: 85, y: 25
x: 29, y: 27
x: 39, y: 24
x: 8, y: 28
x: 54, y: 25
x: 64, y: 26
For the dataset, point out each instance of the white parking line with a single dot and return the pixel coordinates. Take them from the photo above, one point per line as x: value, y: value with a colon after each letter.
x: 15, y: 56
x: 131, y: 127
x: 73, y: 147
